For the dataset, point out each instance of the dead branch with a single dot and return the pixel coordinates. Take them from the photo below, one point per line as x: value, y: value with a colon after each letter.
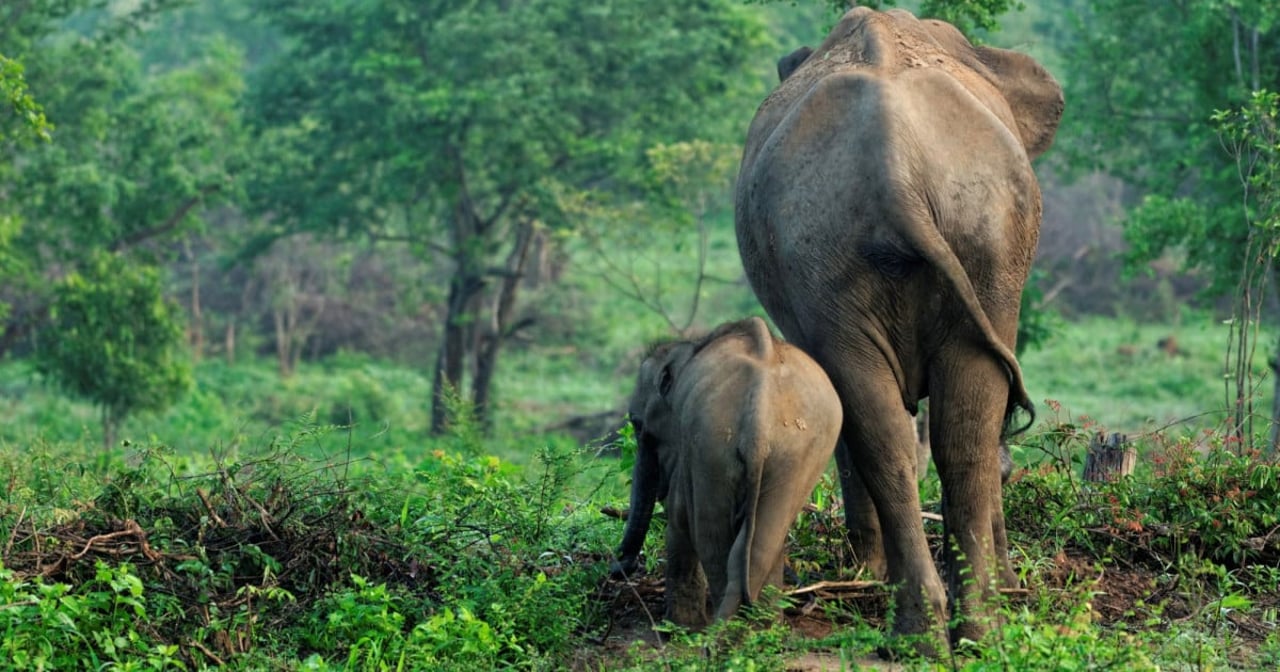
x: 8, y: 546
x: 201, y: 647
x: 131, y: 528
x: 837, y: 587
x: 614, y: 512
x: 204, y: 498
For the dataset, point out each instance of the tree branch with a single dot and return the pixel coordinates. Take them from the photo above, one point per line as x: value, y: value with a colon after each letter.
x: 399, y: 238
x: 169, y: 224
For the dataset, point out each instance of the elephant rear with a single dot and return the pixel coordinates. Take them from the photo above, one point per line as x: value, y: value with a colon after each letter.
x: 791, y: 433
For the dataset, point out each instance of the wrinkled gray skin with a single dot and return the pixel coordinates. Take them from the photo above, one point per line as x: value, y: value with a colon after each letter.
x: 887, y: 216
x: 921, y: 425
x: 734, y: 430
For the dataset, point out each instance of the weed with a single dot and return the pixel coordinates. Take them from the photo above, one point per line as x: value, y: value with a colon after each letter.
x: 100, y: 624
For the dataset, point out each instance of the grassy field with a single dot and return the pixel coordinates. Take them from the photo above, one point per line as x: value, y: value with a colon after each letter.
x: 1116, y: 373
x: 249, y: 527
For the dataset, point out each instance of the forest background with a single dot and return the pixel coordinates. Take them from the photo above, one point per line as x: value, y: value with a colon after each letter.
x: 224, y: 221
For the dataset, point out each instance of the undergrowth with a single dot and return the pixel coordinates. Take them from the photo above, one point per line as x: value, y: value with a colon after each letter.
x: 446, y: 556
x: 280, y: 560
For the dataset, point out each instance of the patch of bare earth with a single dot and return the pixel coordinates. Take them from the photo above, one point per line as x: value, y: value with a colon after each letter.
x: 1128, y: 594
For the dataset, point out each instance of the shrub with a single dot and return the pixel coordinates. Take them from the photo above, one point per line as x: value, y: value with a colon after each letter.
x: 97, y: 625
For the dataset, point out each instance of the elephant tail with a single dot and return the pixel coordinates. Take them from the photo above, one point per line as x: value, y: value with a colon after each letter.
x: 738, y: 588
x: 935, y: 249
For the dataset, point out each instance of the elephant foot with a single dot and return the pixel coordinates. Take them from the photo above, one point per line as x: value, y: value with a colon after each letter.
x: 624, y: 567
x: 919, y: 620
x: 687, y: 615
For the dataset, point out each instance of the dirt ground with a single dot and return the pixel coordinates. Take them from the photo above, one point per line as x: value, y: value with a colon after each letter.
x: 1130, y: 594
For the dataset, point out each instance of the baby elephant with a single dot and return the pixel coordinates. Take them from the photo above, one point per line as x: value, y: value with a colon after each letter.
x: 734, y: 430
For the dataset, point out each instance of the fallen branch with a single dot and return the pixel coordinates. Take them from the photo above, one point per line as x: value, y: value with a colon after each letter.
x: 207, y: 652
x: 14, y: 533
x: 837, y: 586
x: 131, y: 529
x: 614, y: 512
x: 209, y: 508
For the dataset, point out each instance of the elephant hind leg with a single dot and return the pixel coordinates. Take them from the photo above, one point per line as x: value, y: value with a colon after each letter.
x: 881, y: 445
x: 968, y: 392
x: 685, y: 583
x: 862, y: 524
x: 759, y: 549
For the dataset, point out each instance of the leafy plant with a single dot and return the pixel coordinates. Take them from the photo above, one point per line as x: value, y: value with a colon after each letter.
x: 115, y: 341
x: 99, y: 624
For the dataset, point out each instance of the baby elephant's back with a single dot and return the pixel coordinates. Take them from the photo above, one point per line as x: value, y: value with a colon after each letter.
x: 804, y: 399
x: 770, y: 389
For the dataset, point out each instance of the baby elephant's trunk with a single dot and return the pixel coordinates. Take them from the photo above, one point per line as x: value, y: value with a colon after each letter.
x: 645, y: 482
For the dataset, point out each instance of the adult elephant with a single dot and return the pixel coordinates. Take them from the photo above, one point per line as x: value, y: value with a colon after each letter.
x: 887, y: 215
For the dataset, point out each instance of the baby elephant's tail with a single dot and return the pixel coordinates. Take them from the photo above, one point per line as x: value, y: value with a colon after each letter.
x: 737, y: 590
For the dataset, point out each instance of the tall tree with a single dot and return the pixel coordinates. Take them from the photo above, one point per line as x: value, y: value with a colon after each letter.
x: 134, y: 156
x: 452, y: 126
x: 970, y: 16
x: 1143, y: 86
x: 22, y: 121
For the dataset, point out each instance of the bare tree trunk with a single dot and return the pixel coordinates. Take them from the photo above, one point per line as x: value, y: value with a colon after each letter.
x: 282, y: 317
x: 541, y: 253
x: 452, y: 357
x: 109, y: 425
x: 487, y: 356
x: 1274, y: 438
x: 195, y: 332
x: 469, y: 238
x: 1109, y: 458
x: 229, y: 340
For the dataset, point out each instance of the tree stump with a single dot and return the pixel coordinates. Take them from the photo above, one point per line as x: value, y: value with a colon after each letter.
x: 1109, y: 458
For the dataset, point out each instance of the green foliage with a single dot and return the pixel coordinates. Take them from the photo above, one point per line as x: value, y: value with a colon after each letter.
x: 1252, y: 138
x: 1213, y: 503
x: 173, y: 141
x: 1037, y: 322
x: 1142, y: 86
x: 115, y: 340
x: 970, y: 16
x: 135, y: 155
x: 100, y: 624
x: 22, y: 117
x: 500, y: 541
x: 1114, y: 371
x: 506, y: 97
x: 1049, y: 639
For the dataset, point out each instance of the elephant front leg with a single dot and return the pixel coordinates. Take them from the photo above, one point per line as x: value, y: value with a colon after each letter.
x: 686, y: 585
x: 862, y: 525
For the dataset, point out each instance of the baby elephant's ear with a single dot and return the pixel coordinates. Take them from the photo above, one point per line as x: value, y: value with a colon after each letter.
x: 676, y: 360
x: 792, y: 62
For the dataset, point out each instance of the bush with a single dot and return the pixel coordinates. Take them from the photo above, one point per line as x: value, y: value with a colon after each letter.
x: 99, y: 624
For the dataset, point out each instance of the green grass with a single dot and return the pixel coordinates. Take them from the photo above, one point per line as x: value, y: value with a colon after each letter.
x: 1113, y: 372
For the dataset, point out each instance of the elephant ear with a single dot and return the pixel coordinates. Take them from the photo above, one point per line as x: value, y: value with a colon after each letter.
x: 1033, y: 95
x: 792, y: 62
x: 665, y: 379
x: 672, y: 366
